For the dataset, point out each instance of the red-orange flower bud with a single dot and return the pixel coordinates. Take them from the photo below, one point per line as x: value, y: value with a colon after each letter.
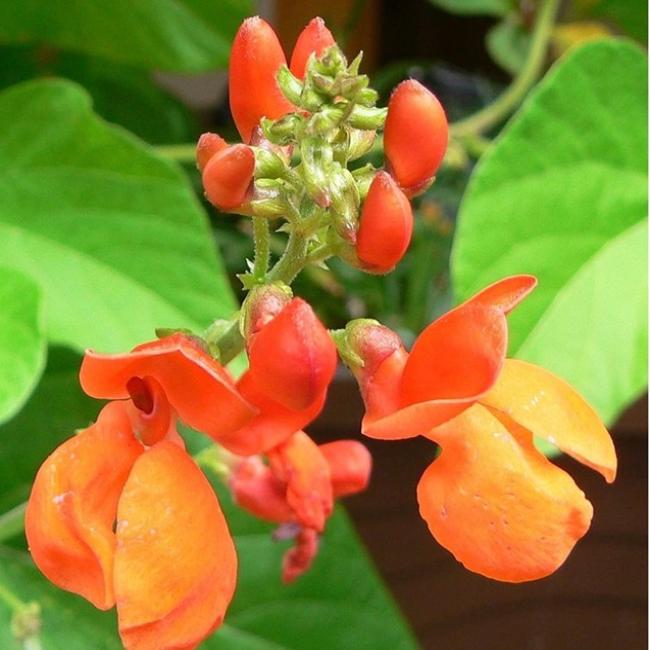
x: 293, y: 357
x: 314, y: 38
x: 208, y: 145
x: 255, y: 58
x: 415, y: 136
x: 385, y: 227
x: 228, y: 176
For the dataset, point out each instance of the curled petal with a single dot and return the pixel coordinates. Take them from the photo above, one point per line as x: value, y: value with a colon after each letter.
x: 300, y: 557
x: 255, y: 58
x: 272, y: 425
x: 208, y: 145
x: 457, y: 357
x: 300, y: 463
x: 175, y: 562
x: 506, y: 294
x: 151, y: 415
x: 550, y: 408
x: 73, y: 504
x: 315, y: 38
x: 256, y: 489
x: 350, y: 465
x: 496, y: 503
x: 415, y: 136
x: 293, y: 358
x: 199, y: 389
x: 228, y: 177
x: 386, y: 225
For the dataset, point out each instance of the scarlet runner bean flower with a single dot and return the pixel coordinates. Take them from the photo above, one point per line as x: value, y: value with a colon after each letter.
x: 121, y: 515
x: 415, y: 136
x: 292, y: 360
x: 296, y: 489
x: 491, y: 498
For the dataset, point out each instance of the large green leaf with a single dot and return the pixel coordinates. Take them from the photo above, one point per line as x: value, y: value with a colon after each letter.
x: 562, y: 195
x: 175, y: 35
x: 22, y: 340
x: 111, y: 232
x: 508, y: 43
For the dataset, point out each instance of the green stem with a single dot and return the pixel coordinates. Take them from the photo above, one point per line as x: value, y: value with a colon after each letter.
x: 12, y: 522
x: 262, y: 238
x: 505, y: 104
x: 181, y: 153
x: 230, y: 344
x: 292, y: 261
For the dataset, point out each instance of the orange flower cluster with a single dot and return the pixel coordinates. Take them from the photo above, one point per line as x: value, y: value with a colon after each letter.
x: 122, y: 515
x: 491, y: 498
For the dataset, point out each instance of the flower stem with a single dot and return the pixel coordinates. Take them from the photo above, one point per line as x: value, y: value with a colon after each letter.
x: 505, y: 104
x: 181, y: 153
x: 292, y: 261
x: 262, y: 238
x: 12, y: 522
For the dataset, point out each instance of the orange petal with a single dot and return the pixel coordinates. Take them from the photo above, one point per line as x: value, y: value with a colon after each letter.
x: 175, y: 562
x: 496, y: 503
x: 272, y: 425
x: 300, y: 463
x: 151, y: 415
x: 197, y: 386
x: 255, y: 58
x: 457, y: 357
x: 506, y: 294
x: 293, y: 358
x: 256, y: 489
x: 314, y: 38
x: 350, y: 465
x: 550, y: 408
x: 299, y: 557
x: 73, y: 504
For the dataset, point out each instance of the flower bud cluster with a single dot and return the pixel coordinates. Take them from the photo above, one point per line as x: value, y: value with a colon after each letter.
x: 305, y: 126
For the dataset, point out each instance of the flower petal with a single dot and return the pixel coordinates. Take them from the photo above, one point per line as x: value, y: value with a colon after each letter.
x: 272, y: 425
x: 506, y: 294
x: 293, y: 358
x: 350, y: 465
x: 175, y: 562
x: 73, y: 504
x: 496, y: 503
x: 549, y: 407
x: 458, y: 356
x: 256, y: 489
x: 300, y: 556
x: 300, y: 463
x: 197, y: 386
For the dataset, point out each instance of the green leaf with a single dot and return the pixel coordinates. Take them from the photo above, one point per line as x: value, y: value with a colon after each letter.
x: 489, y: 7
x: 173, y: 35
x: 22, y: 340
x: 56, y: 408
x: 508, y: 44
x: 111, y: 232
x: 563, y: 195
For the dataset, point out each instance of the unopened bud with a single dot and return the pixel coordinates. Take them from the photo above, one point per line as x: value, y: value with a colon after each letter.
x: 385, y: 227
x: 345, y: 202
x: 289, y: 85
x: 364, y: 117
x: 415, y: 136
x: 263, y: 303
x: 228, y: 177
x: 268, y: 164
x: 360, y: 143
x: 317, y: 159
x: 208, y: 145
x: 315, y: 38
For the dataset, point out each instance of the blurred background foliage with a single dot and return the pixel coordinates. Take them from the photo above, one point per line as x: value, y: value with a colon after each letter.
x: 104, y: 234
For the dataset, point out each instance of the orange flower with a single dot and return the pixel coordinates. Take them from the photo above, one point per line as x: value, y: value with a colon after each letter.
x: 491, y: 498
x: 453, y: 362
x: 297, y: 490
x: 195, y: 385
x: 292, y: 360
x: 134, y: 526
